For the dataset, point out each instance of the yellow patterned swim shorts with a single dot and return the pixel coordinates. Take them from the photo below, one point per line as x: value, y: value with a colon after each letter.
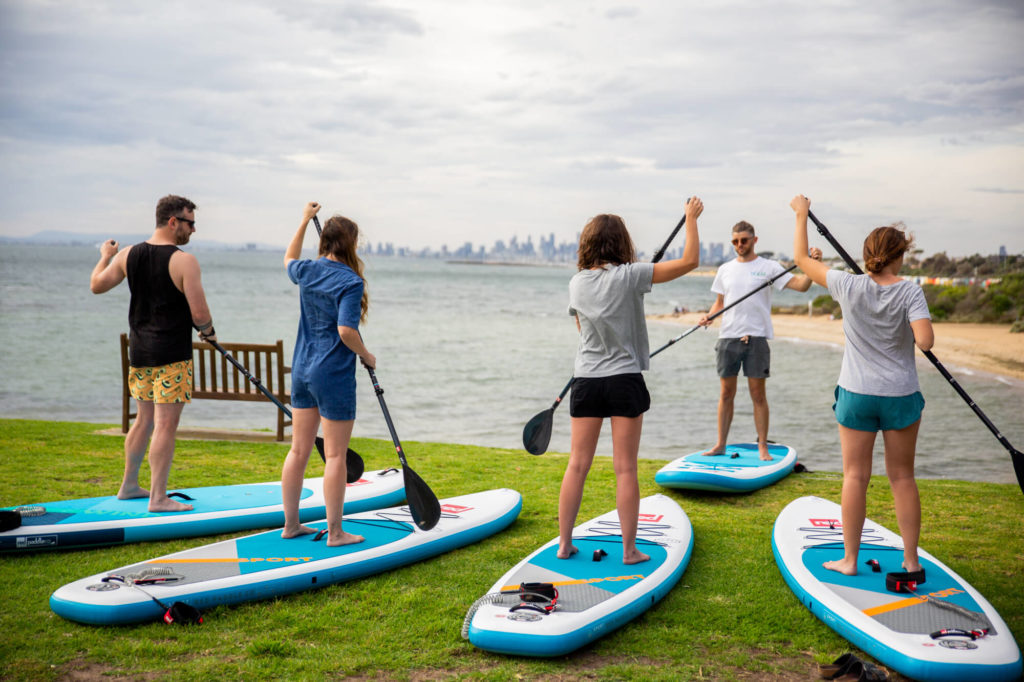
x: 165, y: 384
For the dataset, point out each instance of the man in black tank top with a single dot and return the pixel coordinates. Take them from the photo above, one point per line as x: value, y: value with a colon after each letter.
x: 167, y: 300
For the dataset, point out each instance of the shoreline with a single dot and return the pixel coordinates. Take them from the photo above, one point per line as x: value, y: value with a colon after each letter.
x: 987, y: 348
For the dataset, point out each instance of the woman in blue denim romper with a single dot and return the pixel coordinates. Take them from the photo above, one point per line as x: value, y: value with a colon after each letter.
x: 333, y: 300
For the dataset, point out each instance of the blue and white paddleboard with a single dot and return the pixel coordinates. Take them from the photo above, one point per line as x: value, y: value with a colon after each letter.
x: 216, y: 509
x: 597, y: 593
x: 739, y: 470
x: 265, y: 565
x: 915, y: 634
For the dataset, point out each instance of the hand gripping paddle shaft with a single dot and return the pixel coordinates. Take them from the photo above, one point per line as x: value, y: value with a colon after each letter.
x: 1016, y: 455
x: 537, y: 432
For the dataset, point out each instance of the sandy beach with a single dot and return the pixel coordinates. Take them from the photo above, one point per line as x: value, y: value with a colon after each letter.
x: 985, y: 347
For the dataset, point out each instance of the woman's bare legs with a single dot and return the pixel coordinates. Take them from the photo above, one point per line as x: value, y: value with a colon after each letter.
x: 857, y: 447
x: 625, y: 449
x: 585, y: 432
x: 305, y: 423
x: 336, y: 438
x: 900, y: 448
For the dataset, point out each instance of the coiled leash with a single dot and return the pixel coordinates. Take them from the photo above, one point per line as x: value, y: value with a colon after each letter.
x: 179, y: 612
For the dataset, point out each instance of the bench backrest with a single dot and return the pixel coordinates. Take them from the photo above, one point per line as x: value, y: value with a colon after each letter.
x: 214, y: 378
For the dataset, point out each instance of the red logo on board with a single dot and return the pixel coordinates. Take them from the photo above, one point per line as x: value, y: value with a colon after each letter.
x: 826, y: 523
x: 454, y: 508
x: 651, y: 518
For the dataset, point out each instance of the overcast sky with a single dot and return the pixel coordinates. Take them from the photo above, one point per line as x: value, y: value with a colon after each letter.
x: 436, y: 122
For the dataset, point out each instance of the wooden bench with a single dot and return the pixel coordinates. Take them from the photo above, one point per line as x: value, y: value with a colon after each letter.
x: 214, y: 378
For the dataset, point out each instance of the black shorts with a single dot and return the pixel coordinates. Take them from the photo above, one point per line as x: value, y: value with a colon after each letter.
x: 622, y: 395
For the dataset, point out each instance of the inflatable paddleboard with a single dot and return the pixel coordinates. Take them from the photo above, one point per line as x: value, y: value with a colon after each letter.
x: 216, y: 509
x: 739, y: 470
x: 596, y: 592
x: 265, y: 565
x: 944, y: 630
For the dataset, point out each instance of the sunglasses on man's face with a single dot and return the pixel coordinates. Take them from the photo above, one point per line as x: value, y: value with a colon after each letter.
x: 741, y: 240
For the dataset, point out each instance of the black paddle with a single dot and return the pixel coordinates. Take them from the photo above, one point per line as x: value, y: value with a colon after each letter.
x: 354, y: 463
x: 734, y: 303
x: 537, y: 432
x: 423, y: 504
x: 426, y: 510
x: 1016, y: 455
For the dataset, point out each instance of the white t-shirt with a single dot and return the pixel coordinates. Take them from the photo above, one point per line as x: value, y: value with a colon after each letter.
x: 609, y: 303
x: 734, y: 280
x: 879, y: 355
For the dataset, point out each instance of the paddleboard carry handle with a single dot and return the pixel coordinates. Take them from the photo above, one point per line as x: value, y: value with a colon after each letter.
x: 957, y: 632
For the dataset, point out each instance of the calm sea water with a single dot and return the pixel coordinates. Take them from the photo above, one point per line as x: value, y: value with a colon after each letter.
x: 466, y: 354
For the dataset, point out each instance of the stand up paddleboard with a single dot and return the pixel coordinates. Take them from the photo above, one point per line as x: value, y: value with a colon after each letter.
x: 265, y: 565
x: 942, y: 630
x: 216, y: 509
x: 739, y: 470
x: 547, y: 606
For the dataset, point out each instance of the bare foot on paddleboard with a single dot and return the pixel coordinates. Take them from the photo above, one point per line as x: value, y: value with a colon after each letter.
x: 132, y: 493
x: 563, y: 554
x: 344, y: 539
x: 841, y: 566
x: 289, y: 533
x: 168, y: 505
x: 763, y: 449
x: 715, y: 451
x: 635, y: 557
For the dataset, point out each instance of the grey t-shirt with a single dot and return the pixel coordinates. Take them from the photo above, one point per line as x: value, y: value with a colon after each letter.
x: 879, y: 355
x: 609, y: 303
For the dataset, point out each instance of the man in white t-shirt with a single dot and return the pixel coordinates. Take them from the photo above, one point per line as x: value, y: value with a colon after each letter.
x: 743, y: 339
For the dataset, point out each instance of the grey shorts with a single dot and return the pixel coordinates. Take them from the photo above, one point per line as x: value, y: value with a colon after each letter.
x: 754, y: 356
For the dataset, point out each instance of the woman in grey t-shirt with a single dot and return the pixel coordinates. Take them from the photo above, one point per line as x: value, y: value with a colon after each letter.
x: 883, y: 317
x: 606, y: 297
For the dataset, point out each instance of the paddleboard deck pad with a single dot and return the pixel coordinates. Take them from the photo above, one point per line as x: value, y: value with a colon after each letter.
x: 266, y: 565
x: 596, y: 592
x: 739, y: 470
x: 926, y: 634
x: 99, y: 521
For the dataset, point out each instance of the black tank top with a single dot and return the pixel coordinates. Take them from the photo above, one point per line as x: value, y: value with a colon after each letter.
x: 158, y: 315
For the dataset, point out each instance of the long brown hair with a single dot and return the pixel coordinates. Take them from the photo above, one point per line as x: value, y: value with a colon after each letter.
x: 339, y: 239
x: 884, y: 245
x: 605, y: 240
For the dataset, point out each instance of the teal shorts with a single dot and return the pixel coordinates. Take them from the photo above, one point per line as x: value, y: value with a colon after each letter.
x: 874, y: 413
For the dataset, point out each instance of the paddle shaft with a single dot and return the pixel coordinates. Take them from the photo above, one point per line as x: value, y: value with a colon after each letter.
x: 1018, y: 457
x: 734, y: 303
x: 255, y: 382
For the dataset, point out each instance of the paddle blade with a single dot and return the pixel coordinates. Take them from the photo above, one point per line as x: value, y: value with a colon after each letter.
x: 426, y: 510
x: 537, y: 432
x: 319, y: 443
x: 354, y: 466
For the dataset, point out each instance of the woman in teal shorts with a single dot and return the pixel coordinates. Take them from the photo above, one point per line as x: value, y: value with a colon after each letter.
x: 883, y: 317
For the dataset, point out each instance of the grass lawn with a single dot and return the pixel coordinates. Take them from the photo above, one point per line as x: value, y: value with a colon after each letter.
x: 731, y: 617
